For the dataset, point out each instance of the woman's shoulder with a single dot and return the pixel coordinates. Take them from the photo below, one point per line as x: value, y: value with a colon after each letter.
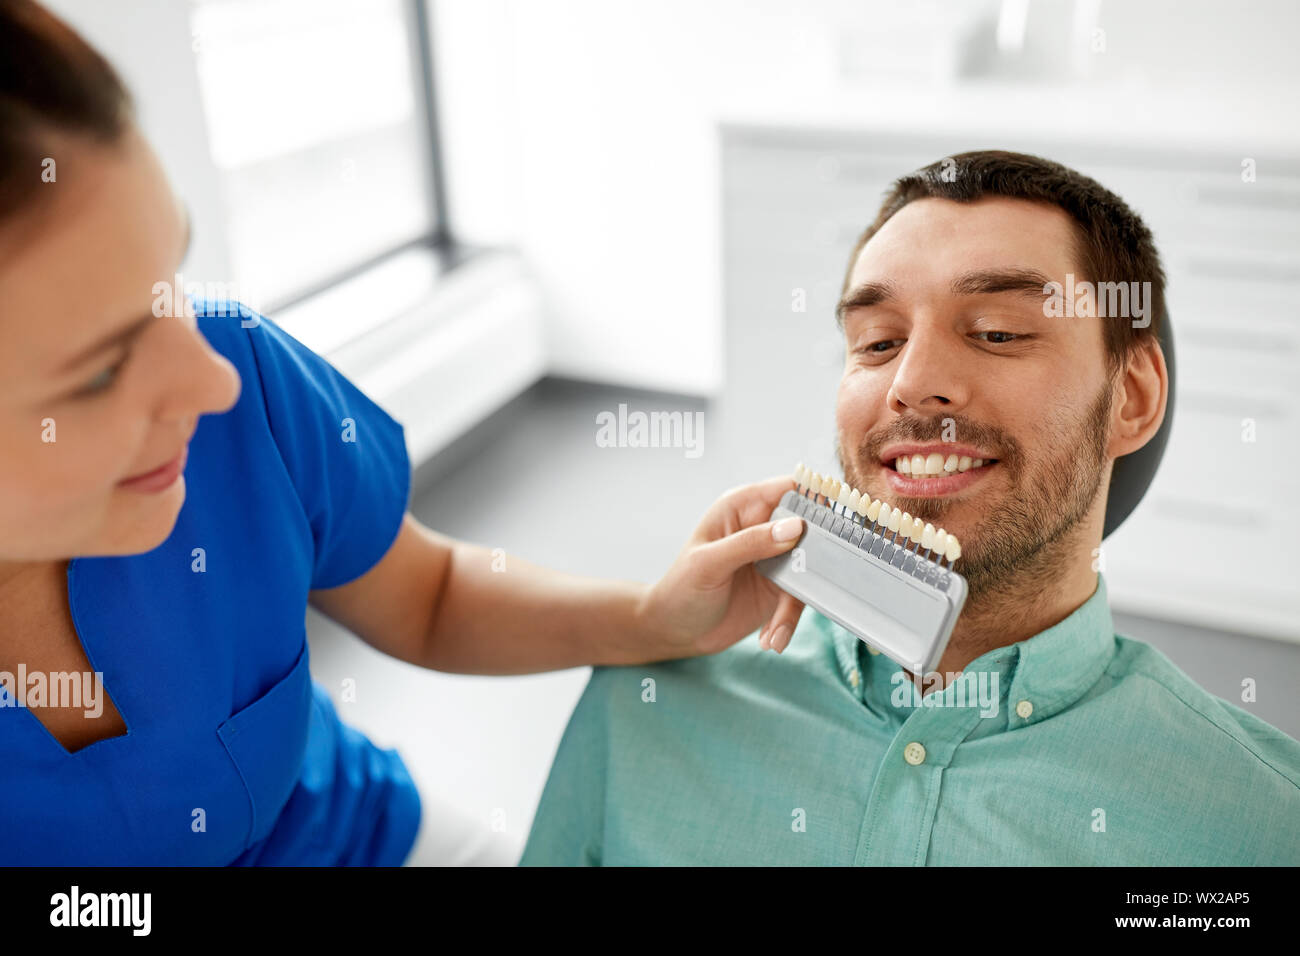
x: 226, y: 324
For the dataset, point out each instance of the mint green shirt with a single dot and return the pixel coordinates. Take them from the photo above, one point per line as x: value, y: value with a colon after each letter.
x: 1087, y: 748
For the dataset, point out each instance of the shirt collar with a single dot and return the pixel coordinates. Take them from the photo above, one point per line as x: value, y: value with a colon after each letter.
x: 1039, y: 676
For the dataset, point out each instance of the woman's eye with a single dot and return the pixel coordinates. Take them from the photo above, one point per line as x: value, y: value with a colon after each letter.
x: 103, y: 380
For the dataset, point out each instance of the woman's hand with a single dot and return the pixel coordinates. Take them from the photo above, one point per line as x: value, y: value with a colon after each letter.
x: 712, y: 596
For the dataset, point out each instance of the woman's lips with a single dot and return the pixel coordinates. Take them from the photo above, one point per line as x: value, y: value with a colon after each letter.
x: 937, y: 486
x: 160, y: 478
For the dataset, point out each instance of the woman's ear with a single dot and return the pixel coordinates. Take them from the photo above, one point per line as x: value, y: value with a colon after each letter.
x: 1143, y: 393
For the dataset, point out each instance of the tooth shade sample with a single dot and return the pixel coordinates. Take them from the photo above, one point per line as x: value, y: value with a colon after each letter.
x: 895, y: 516
x: 919, y: 531
x: 918, y: 465
x: 873, y: 509
x: 950, y: 464
x: 854, y: 497
x: 815, y: 485
x: 864, y: 505
x: 940, y: 542
x: 953, y: 550
x: 904, y: 525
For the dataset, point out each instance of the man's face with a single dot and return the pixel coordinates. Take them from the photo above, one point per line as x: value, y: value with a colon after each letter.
x: 941, y: 361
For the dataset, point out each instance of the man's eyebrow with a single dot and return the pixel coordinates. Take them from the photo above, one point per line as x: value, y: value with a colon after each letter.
x: 867, y: 294
x: 129, y: 331
x: 1026, y: 282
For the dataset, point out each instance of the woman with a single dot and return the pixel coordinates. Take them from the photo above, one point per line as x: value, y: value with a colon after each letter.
x: 177, y: 484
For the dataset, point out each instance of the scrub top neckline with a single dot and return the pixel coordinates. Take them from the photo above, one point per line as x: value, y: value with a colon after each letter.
x: 94, y: 668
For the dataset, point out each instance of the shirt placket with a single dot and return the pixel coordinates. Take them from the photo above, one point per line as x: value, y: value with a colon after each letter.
x: 905, y: 795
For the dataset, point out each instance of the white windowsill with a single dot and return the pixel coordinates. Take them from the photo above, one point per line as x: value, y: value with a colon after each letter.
x: 438, y: 352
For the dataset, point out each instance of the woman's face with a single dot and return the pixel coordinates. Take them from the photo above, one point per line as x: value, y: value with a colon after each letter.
x: 94, y: 387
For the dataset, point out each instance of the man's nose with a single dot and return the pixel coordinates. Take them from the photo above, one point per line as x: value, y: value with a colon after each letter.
x: 928, y: 376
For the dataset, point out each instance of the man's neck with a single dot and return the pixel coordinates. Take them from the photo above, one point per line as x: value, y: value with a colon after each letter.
x: 1026, y: 603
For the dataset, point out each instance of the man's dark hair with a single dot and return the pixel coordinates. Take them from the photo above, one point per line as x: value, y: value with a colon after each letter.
x: 51, y: 82
x: 1112, y: 243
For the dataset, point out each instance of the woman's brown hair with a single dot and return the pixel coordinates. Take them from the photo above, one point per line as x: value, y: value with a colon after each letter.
x: 51, y: 82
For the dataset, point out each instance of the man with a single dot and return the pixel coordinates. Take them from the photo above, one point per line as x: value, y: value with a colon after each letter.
x: 1081, y: 746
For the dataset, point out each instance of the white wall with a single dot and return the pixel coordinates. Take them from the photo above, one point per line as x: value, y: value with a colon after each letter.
x: 148, y: 42
x: 602, y: 162
x: 584, y: 130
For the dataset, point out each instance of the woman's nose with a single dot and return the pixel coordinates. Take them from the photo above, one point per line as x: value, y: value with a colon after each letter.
x: 197, y: 379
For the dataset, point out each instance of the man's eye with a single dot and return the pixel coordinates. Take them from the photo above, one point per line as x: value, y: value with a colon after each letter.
x: 1002, y: 336
x: 878, y: 347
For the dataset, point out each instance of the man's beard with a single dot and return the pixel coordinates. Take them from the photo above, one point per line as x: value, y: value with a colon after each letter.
x: 1025, y: 532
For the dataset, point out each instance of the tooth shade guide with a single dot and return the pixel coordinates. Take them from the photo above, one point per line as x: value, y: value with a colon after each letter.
x: 917, y: 533
x: 883, y: 592
x: 904, y: 530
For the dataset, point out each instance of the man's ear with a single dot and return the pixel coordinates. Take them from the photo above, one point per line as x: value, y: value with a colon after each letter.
x: 1142, y: 394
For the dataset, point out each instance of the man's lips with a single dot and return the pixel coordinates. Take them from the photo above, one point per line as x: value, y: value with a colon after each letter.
x: 938, y: 485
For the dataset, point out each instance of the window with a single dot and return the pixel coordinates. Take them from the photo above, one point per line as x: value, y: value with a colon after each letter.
x: 322, y: 132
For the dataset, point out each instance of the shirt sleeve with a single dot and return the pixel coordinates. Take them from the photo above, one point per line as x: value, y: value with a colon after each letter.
x: 346, y: 456
x: 569, y: 827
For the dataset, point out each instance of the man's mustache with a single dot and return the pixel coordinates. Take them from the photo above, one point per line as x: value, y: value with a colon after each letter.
x: 944, y: 428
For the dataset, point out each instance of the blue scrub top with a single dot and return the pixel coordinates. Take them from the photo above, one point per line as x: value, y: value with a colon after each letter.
x: 233, y: 754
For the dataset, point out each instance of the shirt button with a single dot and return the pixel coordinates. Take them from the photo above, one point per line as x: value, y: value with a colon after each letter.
x: 914, y: 753
x: 853, y: 677
x: 1024, y: 708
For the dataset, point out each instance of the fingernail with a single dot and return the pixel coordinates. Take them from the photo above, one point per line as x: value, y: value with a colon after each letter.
x: 787, y: 528
x: 779, y: 636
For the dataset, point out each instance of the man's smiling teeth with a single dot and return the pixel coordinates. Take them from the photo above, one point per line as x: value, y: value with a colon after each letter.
x: 936, y: 464
x: 861, y: 509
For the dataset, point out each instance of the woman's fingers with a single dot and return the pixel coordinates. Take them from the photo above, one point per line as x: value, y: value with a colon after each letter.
x: 743, y: 507
x: 776, y: 636
x: 718, y: 561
